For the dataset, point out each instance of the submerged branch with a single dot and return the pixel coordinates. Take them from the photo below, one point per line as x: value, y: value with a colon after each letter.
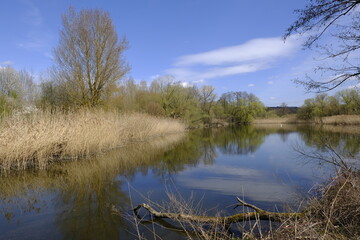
x: 259, y: 214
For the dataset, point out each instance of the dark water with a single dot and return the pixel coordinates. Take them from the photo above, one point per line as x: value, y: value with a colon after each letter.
x: 92, y: 198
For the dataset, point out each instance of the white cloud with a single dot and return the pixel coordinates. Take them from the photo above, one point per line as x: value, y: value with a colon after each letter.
x: 186, y: 84
x: 354, y: 86
x: 185, y: 73
x: 192, y: 83
x: 232, y: 70
x: 270, y: 82
x: 251, y: 85
x: 272, y: 98
x: 251, y: 56
x: 199, y: 81
x: 154, y: 76
x: 253, y: 50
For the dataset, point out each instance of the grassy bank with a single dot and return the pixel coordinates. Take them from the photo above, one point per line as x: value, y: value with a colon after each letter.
x: 331, y: 120
x: 38, y: 139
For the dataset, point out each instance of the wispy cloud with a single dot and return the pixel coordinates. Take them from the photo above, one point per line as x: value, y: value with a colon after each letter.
x: 37, y: 41
x: 356, y: 86
x: 199, y: 81
x: 270, y: 82
x: 251, y: 85
x: 154, y: 76
x: 37, y: 36
x: 251, y: 56
x: 49, y: 55
x: 8, y: 62
x: 32, y: 44
x: 215, y: 72
x: 192, y: 83
x: 33, y: 14
x: 253, y: 50
x: 239, y: 180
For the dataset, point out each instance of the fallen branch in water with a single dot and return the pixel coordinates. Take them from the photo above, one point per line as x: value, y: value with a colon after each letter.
x: 259, y: 214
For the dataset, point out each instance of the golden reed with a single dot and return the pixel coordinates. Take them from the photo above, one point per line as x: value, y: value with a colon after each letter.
x: 38, y: 139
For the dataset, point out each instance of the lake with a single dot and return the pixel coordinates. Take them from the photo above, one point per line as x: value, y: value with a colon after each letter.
x: 208, y: 169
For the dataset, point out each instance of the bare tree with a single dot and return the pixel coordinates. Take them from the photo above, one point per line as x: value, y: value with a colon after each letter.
x: 88, y: 58
x: 283, y: 109
x: 30, y: 89
x: 10, y: 84
x: 207, y: 98
x: 18, y: 85
x: 316, y: 19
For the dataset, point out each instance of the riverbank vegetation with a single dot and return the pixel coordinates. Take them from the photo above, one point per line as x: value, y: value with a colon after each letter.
x: 328, y: 120
x: 38, y: 139
x: 27, y: 192
x: 335, y: 214
x: 345, y: 102
x: 331, y: 213
x: 163, y: 97
x: 342, y: 108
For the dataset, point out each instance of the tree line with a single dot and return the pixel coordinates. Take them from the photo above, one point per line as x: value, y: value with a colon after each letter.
x: 164, y: 96
x: 346, y: 102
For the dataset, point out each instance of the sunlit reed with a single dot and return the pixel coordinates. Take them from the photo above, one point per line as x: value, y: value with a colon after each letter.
x: 38, y: 139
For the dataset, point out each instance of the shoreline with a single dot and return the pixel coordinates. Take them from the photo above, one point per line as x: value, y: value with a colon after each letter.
x: 37, y: 140
x: 350, y: 120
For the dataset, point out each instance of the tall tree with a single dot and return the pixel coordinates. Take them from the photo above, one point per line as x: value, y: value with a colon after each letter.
x: 17, y: 86
x: 207, y: 98
x: 283, y: 109
x: 343, y: 16
x: 241, y: 107
x: 88, y: 58
x: 10, y: 83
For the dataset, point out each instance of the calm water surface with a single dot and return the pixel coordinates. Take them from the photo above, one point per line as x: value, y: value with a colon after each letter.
x: 76, y: 200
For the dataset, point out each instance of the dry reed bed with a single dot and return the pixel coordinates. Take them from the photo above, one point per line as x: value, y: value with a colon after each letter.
x: 331, y: 120
x: 38, y: 139
x: 89, y: 175
x: 341, y: 120
x: 334, y: 215
x: 279, y: 120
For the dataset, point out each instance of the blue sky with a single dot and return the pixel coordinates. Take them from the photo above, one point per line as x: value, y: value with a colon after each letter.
x: 233, y: 45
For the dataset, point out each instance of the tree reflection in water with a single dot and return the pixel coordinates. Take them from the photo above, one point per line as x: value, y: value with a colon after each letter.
x: 81, y: 194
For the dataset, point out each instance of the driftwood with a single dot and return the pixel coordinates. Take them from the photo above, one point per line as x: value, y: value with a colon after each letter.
x: 258, y: 214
